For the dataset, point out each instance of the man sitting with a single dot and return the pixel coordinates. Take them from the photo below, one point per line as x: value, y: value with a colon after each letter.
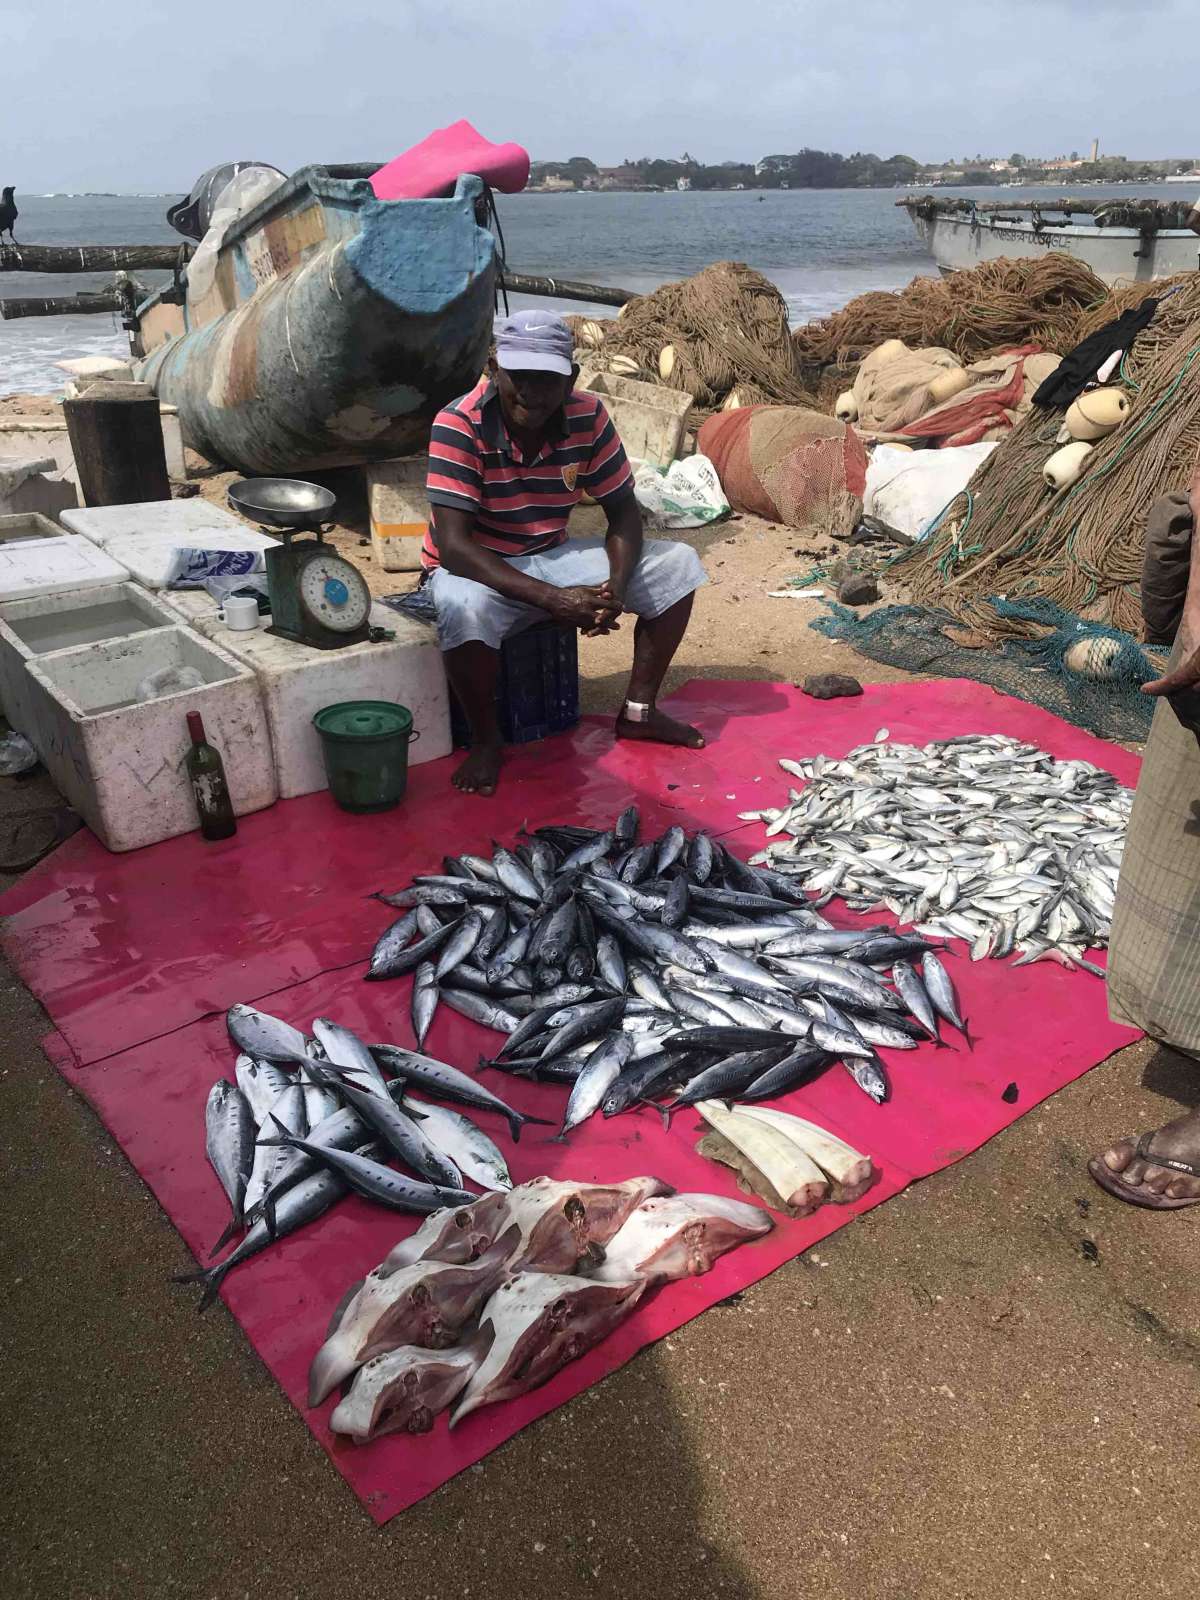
x: 507, y: 464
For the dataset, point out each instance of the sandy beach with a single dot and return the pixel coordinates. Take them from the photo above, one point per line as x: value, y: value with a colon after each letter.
x: 986, y: 1387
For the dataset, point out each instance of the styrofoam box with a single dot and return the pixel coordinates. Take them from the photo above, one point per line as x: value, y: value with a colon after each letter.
x: 144, y: 537
x: 650, y: 420
x: 52, y: 622
x: 119, y: 762
x: 181, y: 520
x: 48, y: 566
x: 21, y: 526
x: 297, y: 682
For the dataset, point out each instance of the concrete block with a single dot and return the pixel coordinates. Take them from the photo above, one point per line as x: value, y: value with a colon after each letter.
x: 51, y: 565
x: 49, y: 623
x: 399, y: 511
x: 119, y: 762
x: 173, y: 442
x: 31, y: 486
x: 27, y: 433
x: 143, y: 537
x: 37, y: 435
x: 297, y: 682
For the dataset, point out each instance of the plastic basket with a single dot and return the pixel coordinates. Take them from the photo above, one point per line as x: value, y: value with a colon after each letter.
x: 537, y: 692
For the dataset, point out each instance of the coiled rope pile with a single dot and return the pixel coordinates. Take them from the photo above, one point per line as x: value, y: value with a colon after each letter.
x: 981, y: 312
x: 724, y: 329
x: 1009, y: 535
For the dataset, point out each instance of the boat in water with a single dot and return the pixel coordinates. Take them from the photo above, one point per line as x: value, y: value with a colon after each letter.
x: 332, y: 327
x: 1122, y: 241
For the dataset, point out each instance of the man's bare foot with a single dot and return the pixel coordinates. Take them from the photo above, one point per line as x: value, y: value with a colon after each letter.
x: 481, y: 769
x: 1130, y: 1171
x: 660, y: 729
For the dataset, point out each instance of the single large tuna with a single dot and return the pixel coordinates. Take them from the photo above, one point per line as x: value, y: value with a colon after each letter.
x: 424, y: 1304
x: 678, y: 1236
x: 539, y: 1322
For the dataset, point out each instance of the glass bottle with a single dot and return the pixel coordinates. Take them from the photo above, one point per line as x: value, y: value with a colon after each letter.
x: 206, y: 771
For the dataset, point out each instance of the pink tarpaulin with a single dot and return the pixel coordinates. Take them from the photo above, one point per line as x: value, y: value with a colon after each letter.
x: 89, y: 929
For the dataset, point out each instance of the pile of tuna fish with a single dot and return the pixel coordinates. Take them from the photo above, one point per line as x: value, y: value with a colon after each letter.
x: 310, y: 1119
x: 979, y: 837
x: 488, y: 1301
x: 663, y: 970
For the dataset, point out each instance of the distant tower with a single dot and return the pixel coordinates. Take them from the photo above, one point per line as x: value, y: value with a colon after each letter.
x: 1095, y: 149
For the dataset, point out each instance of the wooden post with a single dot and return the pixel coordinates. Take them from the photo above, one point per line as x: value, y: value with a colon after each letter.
x: 116, y: 437
x: 77, y: 305
x: 565, y: 289
x: 91, y: 257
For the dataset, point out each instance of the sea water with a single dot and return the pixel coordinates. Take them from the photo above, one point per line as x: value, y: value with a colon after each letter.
x: 821, y: 246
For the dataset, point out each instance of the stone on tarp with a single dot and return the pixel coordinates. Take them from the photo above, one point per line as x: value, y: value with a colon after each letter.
x: 830, y: 685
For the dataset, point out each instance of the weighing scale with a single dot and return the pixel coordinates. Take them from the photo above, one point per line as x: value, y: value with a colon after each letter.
x: 318, y: 598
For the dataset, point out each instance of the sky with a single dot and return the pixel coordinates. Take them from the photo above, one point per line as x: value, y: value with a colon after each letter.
x: 145, y: 100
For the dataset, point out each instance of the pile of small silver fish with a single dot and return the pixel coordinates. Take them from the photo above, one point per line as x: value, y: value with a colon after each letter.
x: 978, y: 837
x: 488, y: 1301
x: 309, y: 1119
x: 635, y: 971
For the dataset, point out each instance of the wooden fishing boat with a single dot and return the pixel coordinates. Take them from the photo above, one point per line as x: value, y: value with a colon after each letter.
x: 333, y: 328
x: 1123, y: 241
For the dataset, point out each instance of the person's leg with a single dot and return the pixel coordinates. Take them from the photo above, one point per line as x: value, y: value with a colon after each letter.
x: 661, y: 592
x: 473, y: 621
x: 472, y: 669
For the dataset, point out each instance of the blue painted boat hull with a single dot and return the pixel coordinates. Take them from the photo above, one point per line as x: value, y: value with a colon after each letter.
x: 355, y: 321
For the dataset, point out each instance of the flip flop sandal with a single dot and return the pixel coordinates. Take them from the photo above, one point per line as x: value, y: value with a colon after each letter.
x: 1111, y: 1181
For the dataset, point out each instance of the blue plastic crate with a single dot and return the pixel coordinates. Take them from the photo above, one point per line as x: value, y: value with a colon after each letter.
x: 537, y: 692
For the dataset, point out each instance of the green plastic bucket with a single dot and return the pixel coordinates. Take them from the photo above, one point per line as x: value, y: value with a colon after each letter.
x: 365, y: 745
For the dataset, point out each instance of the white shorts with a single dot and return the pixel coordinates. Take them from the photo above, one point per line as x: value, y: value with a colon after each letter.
x: 468, y: 611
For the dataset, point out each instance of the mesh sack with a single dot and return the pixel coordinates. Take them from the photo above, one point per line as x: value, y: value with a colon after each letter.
x: 788, y: 465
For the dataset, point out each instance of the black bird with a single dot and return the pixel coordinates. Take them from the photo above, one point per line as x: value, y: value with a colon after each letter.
x: 8, y: 213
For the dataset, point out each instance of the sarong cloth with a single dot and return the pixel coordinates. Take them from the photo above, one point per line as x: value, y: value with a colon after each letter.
x: 1154, y: 951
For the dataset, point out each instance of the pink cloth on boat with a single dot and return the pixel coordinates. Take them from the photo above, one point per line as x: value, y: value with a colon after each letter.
x: 432, y: 168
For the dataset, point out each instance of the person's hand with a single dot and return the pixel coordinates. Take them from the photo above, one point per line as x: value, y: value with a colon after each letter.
x: 584, y: 606
x: 605, y: 619
x: 1185, y: 676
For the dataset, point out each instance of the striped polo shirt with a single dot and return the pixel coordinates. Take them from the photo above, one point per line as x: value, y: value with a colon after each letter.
x: 521, y: 507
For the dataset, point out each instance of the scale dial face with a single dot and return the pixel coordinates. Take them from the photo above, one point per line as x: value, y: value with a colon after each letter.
x: 333, y: 594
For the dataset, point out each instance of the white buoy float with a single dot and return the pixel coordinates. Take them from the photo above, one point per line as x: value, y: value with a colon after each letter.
x: 889, y: 350
x: 1065, y: 466
x: 947, y: 384
x: 1093, y: 657
x: 846, y: 409
x: 1097, y: 413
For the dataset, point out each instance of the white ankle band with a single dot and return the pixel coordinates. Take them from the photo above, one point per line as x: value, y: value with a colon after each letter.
x: 637, y: 710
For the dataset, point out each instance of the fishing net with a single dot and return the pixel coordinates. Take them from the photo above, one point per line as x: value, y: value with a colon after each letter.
x: 1036, y: 669
x: 1008, y: 534
x: 722, y: 330
x: 789, y: 465
x: 975, y: 313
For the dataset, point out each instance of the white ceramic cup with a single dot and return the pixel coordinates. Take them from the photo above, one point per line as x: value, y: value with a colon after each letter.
x: 241, y: 612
